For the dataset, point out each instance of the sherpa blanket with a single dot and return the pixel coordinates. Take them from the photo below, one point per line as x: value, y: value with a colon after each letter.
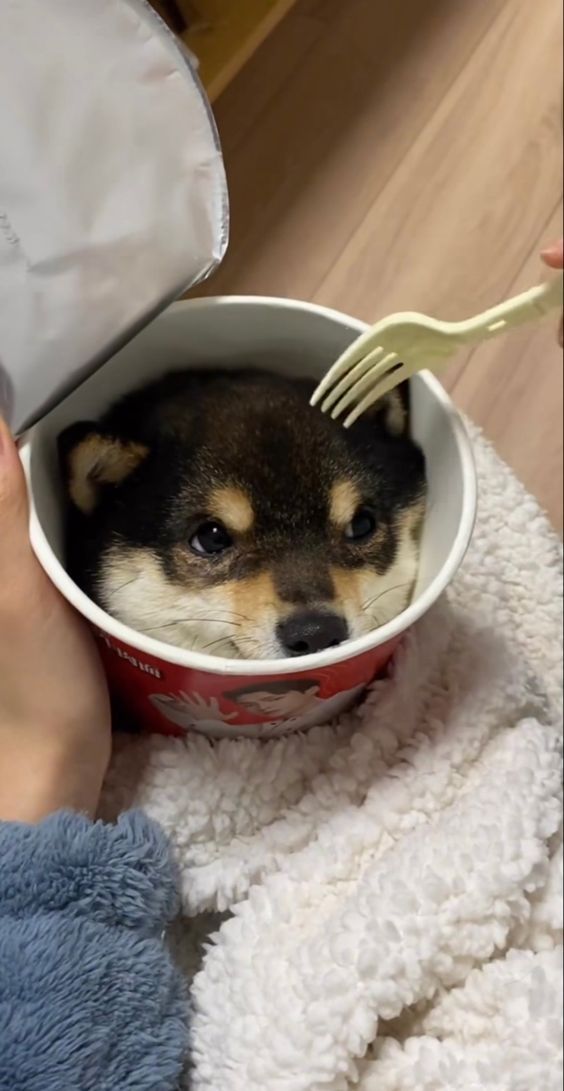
x: 385, y: 893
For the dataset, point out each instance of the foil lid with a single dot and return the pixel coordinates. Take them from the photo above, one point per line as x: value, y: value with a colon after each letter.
x: 113, y: 197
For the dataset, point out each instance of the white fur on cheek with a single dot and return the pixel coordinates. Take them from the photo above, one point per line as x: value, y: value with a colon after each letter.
x: 384, y: 597
x: 134, y: 589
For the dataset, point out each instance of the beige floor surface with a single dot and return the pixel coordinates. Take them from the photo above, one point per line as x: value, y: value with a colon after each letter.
x: 409, y: 156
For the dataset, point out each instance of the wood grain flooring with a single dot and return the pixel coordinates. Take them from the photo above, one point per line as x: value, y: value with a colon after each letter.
x: 409, y: 156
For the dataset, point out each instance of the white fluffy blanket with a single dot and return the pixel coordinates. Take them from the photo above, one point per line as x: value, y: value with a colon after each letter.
x: 392, y: 883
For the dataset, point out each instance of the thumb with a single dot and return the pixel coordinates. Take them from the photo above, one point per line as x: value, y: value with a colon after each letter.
x: 554, y: 255
x: 14, y: 535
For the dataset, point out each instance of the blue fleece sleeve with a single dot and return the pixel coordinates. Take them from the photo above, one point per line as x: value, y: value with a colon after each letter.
x: 89, y: 998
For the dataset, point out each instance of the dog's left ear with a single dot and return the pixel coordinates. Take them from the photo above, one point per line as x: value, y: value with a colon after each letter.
x: 391, y: 413
x: 93, y: 460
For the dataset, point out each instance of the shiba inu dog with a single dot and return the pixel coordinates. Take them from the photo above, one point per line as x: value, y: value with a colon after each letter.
x: 219, y: 511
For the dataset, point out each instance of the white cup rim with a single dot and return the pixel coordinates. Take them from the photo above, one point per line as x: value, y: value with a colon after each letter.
x: 260, y: 667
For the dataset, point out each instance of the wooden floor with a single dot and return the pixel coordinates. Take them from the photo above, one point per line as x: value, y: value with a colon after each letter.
x: 409, y: 156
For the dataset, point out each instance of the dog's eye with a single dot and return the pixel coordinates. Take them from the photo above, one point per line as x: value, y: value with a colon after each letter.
x: 361, y: 526
x: 210, y: 538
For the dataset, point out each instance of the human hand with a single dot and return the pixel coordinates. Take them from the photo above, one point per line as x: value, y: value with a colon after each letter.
x: 54, y: 705
x: 199, y: 709
x: 554, y: 257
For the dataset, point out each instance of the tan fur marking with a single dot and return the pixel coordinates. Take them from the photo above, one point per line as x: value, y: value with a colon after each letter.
x: 345, y: 499
x: 240, y: 617
x: 257, y: 596
x: 396, y: 416
x: 411, y: 520
x: 234, y: 618
x: 369, y: 599
x: 135, y: 589
x: 348, y: 584
x: 100, y: 461
x: 233, y: 507
x: 257, y: 604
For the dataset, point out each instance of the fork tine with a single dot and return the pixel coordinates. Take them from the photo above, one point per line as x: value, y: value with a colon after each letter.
x: 378, y: 391
x: 366, y: 383
x: 377, y: 371
x: 350, y: 378
x: 348, y: 359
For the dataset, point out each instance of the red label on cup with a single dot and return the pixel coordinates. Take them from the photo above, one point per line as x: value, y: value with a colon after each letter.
x: 169, y: 699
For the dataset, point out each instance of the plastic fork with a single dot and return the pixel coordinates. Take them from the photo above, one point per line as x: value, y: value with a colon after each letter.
x: 399, y: 346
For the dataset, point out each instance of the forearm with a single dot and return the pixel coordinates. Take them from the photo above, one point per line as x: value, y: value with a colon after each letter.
x: 48, y: 776
x: 88, y: 995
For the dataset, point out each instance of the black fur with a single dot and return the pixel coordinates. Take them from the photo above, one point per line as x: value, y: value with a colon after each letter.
x: 257, y: 431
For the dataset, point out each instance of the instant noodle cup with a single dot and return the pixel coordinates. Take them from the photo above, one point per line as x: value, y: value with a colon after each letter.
x: 171, y: 690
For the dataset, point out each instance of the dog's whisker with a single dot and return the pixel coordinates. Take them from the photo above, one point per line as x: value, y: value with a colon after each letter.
x: 122, y: 586
x: 225, y: 640
x: 157, y: 628
x: 212, y: 620
x: 235, y: 613
x: 211, y: 523
x: 367, y: 605
x: 249, y: 644
x: 214, y: 643
x: 191, y: 620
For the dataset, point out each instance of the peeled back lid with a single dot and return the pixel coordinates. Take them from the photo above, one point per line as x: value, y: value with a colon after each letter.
x: 113, y: 198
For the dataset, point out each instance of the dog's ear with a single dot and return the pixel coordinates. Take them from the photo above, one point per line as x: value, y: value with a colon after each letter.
x: 391, y: 413
x: 92, y: 459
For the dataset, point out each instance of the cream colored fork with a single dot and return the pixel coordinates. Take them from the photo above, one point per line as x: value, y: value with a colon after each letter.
x: 403, y: 344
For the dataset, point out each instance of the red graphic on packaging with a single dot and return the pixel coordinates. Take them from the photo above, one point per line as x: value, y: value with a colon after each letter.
x: 170, y: 699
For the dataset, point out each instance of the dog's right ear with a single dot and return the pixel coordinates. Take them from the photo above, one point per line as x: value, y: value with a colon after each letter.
x: 92, y: 459
x: 391, y: 413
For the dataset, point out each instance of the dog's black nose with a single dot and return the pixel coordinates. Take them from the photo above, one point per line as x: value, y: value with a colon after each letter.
x: 311, y: 631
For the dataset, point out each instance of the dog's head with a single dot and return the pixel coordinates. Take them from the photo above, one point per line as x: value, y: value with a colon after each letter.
x: 218, y: 511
